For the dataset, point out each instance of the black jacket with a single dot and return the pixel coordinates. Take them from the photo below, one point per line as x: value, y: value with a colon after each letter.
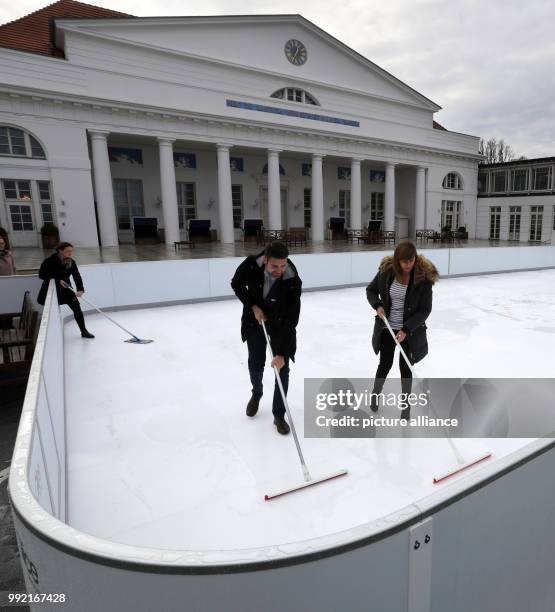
x: 248, y: 285
x: 418, y: 303
x: 52, y: 267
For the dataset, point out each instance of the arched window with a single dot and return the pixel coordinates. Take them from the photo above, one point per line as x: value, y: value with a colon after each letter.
x: 452, y: 180
x: 19, y: 143
x: 293, y: 94
x: 281, y: 170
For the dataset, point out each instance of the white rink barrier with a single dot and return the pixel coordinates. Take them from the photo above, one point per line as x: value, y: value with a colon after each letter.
x: 484, y: 542
x: 123, y: 285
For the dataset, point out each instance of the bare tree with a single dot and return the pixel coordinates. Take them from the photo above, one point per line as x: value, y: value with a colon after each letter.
x: 496, y: 151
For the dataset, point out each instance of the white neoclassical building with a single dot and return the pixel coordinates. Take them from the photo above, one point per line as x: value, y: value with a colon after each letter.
x: 108, y: 118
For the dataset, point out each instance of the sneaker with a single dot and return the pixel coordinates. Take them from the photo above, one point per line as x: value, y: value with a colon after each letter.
x: 252, y: 406
x: 374, y: 404
x: 405, y: 414
x: 281, y: 425
x: 86, y: 334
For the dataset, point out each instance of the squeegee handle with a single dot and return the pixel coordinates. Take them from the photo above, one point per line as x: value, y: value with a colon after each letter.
x: 306, y: 473
x: 384, y: 319
x: 455, y: 450
x: 66, y: 286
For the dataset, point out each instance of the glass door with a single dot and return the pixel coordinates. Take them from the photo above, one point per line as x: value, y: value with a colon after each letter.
x: 494, y: 222
x: 345, y: 206
x: 128, y: 196
x: 536, y: 222
x: 451, y: 214
x: 514, y: 222
x: 19, y: 207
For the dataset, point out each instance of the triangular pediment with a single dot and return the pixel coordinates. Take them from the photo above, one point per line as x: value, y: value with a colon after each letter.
x: 256, y: 43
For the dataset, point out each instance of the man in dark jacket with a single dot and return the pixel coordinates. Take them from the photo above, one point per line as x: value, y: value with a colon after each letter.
x: 269, y: 287
x: 60, y: 266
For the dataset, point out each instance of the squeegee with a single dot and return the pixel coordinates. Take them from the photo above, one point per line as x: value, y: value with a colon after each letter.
x: 133, y: 340
x: 463, y: 464
x: 309, y: 480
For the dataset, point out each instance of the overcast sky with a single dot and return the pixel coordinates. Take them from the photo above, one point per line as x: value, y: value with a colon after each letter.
x: 487, y: 63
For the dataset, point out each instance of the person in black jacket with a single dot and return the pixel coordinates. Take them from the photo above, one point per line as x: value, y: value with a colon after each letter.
x: 402, y: 292
x: 60, y: 266
x: 269, y: 287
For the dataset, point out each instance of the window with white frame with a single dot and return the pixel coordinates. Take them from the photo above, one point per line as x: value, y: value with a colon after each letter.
x: 515, y: 213
x: 46, y: 205
x: 21, y: 216
x: 482, y: 182
x: 345, y: 206
x: 186, y: 203
x: 237, y: 203
x: 17, y: 190
x: 452, y: 180
x: 451, y: 214
x: 294, y: 94
x: 19, y: 143
x: 494, y: 222
x: 499, y: 178
x: 519, y: 179
x: 307, y: 207
x: 542, y: 178
x: 128, y: 197
x: 20, y: 204
x: 536, y: 223
x: 376, y: 206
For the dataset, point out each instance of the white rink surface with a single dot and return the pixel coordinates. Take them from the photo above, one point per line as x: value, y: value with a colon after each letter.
x: 161, y: 453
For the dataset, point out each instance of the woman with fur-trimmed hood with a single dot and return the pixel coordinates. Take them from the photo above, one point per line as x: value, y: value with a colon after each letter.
x: 402, y: 292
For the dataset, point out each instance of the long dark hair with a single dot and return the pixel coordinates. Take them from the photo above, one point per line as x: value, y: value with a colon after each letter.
x: 403, y: 251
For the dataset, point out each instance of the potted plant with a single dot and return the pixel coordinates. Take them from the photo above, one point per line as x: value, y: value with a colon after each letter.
x: 50, y: 236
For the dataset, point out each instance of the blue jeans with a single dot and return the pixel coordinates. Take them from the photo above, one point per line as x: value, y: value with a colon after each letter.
x: 256, y: 343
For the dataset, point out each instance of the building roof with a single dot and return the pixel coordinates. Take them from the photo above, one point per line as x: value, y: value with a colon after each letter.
x: 33, y: 33
x: 518, y: 162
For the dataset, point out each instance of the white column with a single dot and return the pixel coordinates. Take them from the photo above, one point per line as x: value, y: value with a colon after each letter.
x: 103, y: 190
x: 356, y: 195
x: 274, y: 195
x: 225, y: 204
x: 317, y: 199
x: 420, y: 206
x: 389, y: 212
x: 169, y: 192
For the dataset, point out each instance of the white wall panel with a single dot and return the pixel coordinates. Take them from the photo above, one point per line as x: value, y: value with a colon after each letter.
x: 365, y: 265
x: 221, y: 272
x: 151, y: 282
x: 38, y: 481
x: 324, y: 270
x: 99, y: 288
x: 52, y: 459
x: 12, y: 289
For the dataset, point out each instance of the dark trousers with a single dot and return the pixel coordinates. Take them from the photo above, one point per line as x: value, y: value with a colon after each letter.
x: 387, y: 351
x: 256, y: 343
x: 77, y: 313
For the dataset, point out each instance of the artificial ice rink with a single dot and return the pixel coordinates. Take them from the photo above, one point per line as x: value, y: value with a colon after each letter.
x: 161, y: 453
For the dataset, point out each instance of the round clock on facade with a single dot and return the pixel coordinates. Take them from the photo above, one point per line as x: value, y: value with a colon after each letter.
x: 295, y: 52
